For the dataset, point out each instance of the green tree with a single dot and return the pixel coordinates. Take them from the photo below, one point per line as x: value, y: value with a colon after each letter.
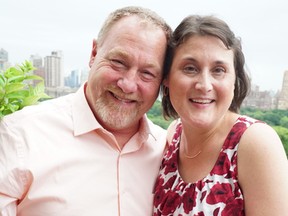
x: 284, y: 121
x: 156, y: 109
x: 271, y: 118
x: 155, y: 115
x: 283, y: 134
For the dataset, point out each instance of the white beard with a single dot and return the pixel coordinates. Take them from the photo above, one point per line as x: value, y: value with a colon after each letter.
x: 113, y: 115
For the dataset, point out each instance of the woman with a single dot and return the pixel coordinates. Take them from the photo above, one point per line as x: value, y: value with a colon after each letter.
x: 218, y: 162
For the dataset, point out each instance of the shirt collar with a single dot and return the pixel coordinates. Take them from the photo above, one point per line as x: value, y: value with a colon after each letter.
x: 144, y: 129
x: 83, y: 117
x: 84, y: 120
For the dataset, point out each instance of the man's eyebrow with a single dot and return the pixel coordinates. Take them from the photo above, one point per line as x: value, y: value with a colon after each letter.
x: 120, y: 53
x: 150, y: 63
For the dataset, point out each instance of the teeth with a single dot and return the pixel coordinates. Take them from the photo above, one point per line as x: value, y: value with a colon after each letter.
x: 205, y: 101
x: 122, y: 99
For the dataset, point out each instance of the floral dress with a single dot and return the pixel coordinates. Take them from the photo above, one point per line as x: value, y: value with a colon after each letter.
x: 219, y: 193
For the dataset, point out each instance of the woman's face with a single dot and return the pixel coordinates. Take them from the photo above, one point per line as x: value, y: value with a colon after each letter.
x: 201, y: 80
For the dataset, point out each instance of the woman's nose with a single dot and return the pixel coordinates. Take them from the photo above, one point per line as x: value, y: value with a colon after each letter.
x: 204, y: 83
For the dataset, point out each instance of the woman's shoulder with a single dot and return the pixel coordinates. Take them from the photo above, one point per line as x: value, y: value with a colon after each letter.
x: 248, y: 120
x: 262, y: 166
x: 172, y: 128
x: 258, y: 132
x: 260, y: 143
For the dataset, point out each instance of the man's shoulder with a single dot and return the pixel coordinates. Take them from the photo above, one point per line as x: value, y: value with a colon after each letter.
x: 154, y: 125
x: 40, y: 110
x: 155, y: 129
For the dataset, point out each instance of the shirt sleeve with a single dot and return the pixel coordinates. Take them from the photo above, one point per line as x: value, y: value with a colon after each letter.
x: 14, y: 179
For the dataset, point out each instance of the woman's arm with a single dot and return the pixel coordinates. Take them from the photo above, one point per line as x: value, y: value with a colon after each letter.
x: 263, y: 172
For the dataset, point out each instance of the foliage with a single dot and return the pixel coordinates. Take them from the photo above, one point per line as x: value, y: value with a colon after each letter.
x: 284, y: 121
x: 278, y: 119
x: 283, y: 134
x: 155, y: 115
x: 272, y: 117
x: 17, y: 90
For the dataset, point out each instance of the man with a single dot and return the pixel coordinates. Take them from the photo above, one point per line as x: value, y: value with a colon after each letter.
x: 93, y: 152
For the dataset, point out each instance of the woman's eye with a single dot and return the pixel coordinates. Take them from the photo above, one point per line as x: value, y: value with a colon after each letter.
x: 190, y: 69
x: 219, y: 71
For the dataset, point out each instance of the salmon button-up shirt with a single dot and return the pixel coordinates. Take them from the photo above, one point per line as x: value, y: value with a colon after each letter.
x: 57, y: 160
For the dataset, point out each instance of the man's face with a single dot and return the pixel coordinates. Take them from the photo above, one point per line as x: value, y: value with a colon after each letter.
x: 126, y: 72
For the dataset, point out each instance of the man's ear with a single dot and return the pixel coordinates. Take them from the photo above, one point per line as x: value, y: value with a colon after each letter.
x: 93, y: 53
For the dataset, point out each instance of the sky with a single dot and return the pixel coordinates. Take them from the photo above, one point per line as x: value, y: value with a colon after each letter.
x: 39, y: 27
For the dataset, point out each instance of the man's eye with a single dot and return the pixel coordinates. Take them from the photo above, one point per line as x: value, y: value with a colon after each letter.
x: 116, y: 62
x: 147, y: 75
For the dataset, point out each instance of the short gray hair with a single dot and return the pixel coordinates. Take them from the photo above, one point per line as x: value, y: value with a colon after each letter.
x: 143, y: 13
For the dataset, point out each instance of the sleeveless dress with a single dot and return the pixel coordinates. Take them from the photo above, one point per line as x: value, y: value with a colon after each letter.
x: 218, y: 193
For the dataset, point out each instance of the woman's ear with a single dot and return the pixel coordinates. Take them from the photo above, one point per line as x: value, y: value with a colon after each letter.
x: 165, y: 83
x: 93, y: 53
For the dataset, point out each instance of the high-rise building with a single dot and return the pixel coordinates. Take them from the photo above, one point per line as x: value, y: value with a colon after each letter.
x: 283, y: 97
x: 3, y: 59
x: 54, y: 73
x: 73, y: 80
x: 76, y: 78
x: 37, y: 62
x: 259, y: 99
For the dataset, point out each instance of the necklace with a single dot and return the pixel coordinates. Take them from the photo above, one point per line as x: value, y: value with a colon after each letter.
x: 188, y: 156
x: 191, y: 157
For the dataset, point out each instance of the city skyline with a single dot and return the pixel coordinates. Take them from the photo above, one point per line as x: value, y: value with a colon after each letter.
x: 68, y: 72
x: 38, y: 27
x: 56, y: 82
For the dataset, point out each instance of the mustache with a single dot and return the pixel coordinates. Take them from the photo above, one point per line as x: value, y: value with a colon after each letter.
x: 117, y: 92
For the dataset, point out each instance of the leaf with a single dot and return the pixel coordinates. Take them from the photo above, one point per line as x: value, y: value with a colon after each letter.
x: 17, y: 89
x: 2, y: 80
x: 2, y: 94
x: 12, y: 72
x: 14, y: 87
x: 39, y: 88
x: 27, y: 66
x: 18, y: 94
x: 12, y: 107
x: 31, y: 100
x: 18, y: 78
x: 33, y: 77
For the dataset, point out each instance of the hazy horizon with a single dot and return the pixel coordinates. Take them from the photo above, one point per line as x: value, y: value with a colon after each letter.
x: 39, y: 27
